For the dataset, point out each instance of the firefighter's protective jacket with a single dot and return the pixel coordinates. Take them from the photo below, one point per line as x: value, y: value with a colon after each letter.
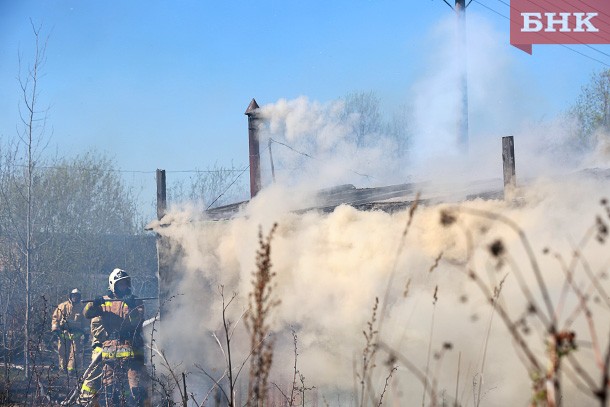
x: 118, y: 322
x: 69, y: 317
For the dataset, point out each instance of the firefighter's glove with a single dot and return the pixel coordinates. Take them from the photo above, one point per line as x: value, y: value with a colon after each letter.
x: 98, y: 301
x: 130, y: 300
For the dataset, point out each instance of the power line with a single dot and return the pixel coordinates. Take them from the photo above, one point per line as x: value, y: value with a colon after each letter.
x: 293, y: 149
x: 314, y: 158
x: 597, y: 50
x: 46, y: 167
x: 230, y: 185
x: 205, y: 171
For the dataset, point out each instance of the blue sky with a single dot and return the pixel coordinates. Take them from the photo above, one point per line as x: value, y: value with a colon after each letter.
x: 164, y: 84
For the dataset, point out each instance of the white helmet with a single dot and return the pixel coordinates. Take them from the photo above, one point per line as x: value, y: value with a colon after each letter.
x: 117, y: 275
x: 75, y: 296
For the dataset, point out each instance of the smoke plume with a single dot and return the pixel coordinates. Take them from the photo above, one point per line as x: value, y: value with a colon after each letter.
x: 427, y: 267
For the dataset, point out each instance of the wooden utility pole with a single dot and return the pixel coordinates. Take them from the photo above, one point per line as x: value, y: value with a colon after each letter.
x: 164, y: 258
x: 462, y: 127
x: 460, y: 9
x: 255, y: 158
x: 161, y: 194
x: 508, y: 160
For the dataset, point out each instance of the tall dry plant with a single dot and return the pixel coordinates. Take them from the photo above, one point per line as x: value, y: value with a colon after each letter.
x: 368, y: 357
x: 260, y: 304
x: 231, y: 373
x: 562, y: 359
x: 296, y: 396
x: 367, y: 391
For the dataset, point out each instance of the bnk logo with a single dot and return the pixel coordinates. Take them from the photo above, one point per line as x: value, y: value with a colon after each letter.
x: 559, y: 22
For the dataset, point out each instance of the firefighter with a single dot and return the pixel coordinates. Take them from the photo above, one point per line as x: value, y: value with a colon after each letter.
x: 124, y: 376
x: 71, y: 327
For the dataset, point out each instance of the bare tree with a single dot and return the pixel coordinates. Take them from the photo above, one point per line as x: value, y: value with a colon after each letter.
x: 361, y: 109
x: 214, y: 186
x: 399, y: 130
x: 363, y: 114
x: 86, y: 225
x: 31, y: 136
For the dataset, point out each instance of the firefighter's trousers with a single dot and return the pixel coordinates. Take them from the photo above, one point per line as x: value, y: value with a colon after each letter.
x: 124, y: 383
x: 92, y: 383
x: 70, y: 348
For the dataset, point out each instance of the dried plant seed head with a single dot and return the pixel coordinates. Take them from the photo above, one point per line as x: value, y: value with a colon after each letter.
x: 406, y: 292
x: 603, y: 275
x: 391, y: 360
x: 447, y: 345
x: 565, y: 342
x: 531, y: 308
x: 463, y: 298
x: 602, y: 229
x: 603, y: 202
x: 496, y: 248
x: 448, y: 218
x: 546, y: 250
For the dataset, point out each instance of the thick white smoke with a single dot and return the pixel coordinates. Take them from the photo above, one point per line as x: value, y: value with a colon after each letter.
x: 331, y: 267
x: 313, y: 146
